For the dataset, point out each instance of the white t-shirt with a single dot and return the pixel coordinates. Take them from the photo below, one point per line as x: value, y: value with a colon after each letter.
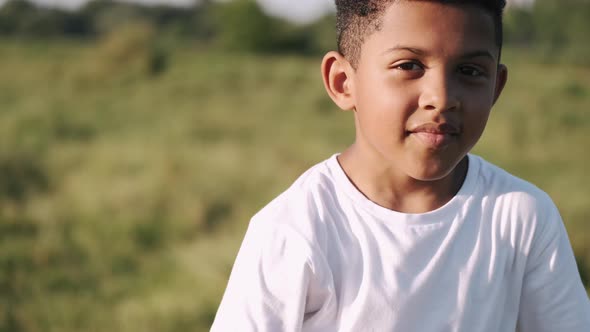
x: 322, y: 257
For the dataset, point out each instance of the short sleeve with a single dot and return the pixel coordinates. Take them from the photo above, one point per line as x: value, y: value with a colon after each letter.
x: 268, y: 284
x: 553, y: 297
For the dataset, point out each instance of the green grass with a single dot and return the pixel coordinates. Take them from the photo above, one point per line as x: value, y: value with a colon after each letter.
x: 125, y: 192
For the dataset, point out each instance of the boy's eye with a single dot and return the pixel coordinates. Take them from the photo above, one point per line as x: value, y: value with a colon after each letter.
x: 409, y: 66
x: 471, y: 71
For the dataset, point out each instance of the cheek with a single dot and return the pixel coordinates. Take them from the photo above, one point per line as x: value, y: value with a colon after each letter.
x: 386, y: 116
x: 385, y: 104
x: 475, y: 119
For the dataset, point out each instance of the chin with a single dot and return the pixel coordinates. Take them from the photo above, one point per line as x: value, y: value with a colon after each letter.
x: 432, y: 172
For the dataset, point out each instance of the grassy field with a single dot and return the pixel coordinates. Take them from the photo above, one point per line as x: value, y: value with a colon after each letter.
x: 128, y: 176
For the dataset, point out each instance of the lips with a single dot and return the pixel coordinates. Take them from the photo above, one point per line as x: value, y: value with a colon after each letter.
x: 435, y: 135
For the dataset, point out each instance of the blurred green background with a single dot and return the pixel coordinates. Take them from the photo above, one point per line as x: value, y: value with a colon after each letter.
x: 136, y: 142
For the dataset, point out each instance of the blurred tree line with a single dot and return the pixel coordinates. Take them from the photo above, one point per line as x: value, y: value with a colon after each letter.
x: 552, y: 28
x: 236, y: 25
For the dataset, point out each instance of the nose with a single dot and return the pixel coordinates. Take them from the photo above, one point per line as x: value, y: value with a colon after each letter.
x: 439, y: 93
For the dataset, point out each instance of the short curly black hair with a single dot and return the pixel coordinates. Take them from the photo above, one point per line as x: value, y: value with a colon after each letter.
x: 356, y: 19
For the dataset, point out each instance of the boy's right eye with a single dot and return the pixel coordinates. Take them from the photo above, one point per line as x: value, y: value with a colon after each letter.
x: 409, y: 66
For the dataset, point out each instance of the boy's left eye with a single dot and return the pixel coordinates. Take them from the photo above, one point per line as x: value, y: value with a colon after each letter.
x: 471, y: 71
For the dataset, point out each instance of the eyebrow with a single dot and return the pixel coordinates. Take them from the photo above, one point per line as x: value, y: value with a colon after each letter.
x: 420, y: 52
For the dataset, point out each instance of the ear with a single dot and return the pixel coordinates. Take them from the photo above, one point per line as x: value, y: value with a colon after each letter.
x: 501, y: 79
x: 337, y: 74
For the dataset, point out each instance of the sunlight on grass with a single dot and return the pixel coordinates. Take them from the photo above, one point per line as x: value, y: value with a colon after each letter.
x: 130, y: 192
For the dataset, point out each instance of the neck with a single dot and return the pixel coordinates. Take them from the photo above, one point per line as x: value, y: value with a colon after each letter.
x: 384, y: 185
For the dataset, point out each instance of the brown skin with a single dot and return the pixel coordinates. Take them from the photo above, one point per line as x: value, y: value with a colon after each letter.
x: 421, y: 93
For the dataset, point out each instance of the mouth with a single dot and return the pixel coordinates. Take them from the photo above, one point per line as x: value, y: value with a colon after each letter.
x: 435, y: 135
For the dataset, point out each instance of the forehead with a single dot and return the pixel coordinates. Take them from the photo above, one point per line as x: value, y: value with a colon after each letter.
x: 433, y: 27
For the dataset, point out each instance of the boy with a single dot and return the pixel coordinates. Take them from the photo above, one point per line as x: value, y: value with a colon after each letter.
x: 404, y: 230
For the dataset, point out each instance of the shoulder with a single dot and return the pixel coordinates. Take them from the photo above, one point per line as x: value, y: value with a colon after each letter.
x: 517, y: 205
x: 298, y: 211
x: 503, y: 187
x: 314, y: 184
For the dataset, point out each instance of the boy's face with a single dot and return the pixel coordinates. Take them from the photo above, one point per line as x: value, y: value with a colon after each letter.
x: 424, y: 86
